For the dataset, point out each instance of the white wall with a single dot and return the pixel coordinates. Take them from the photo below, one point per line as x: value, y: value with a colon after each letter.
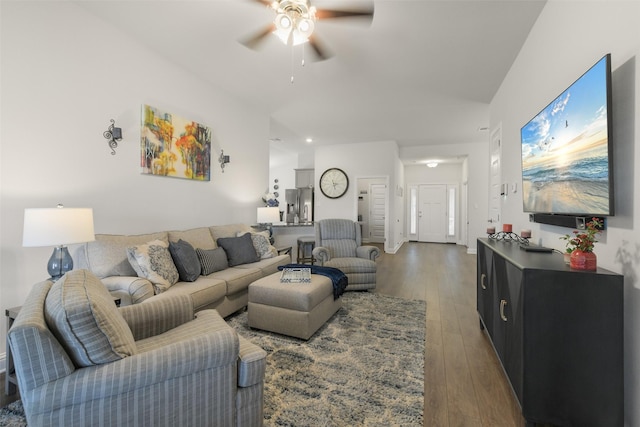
x: 361, y: 160
x: 282, y: 166
x: 445, y: 173
x: 64, y: 74
x: 477, y: 172
x: 567, y: 39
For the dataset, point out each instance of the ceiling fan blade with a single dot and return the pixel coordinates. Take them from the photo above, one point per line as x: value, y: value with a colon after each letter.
x: 255, y: 40
x: 264, y: 2
x: 317, y: 47
x: 332, y: 14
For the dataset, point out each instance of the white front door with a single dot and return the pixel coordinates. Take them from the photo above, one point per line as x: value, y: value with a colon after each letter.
x: 432, y: 213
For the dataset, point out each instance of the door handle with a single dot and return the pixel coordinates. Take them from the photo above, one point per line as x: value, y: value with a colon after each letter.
x: 482, y: 281
x: 503, y: 304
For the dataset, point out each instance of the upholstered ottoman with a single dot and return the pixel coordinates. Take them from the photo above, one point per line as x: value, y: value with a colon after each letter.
x: 293, y: 309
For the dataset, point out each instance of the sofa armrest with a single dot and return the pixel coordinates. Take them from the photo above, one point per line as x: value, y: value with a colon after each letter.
x: 368, y: 252
x: 37, y: 354
x: 213, y: 350
x: 321, y: 254
x: 131, y: 290
x: 158, y: 315
x: 251, y: 364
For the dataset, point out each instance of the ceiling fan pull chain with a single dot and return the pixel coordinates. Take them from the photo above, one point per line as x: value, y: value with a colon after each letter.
x: 292, y: 62
x: 303, y: 54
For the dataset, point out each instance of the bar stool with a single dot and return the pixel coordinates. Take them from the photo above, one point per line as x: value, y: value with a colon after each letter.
x: 306, y: 245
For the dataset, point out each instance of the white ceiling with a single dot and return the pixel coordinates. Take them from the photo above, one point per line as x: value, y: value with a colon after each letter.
x: 422, y: 72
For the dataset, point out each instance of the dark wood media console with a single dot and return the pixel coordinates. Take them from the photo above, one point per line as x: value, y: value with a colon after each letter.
x: 557, y: 332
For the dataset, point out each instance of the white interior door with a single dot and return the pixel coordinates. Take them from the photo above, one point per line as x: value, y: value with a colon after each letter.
x: 432, y: 213
x: 377, y: 208
x: 496, y: 175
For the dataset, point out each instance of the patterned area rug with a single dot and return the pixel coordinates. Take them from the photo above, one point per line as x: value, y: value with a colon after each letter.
x: 364, y: 367
x: 12, y: 415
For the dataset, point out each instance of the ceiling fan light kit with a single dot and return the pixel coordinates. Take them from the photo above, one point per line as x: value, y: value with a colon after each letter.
x: 294, y: 23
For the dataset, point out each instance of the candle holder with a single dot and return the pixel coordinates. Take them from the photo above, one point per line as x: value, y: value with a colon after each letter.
x: 509, y: 237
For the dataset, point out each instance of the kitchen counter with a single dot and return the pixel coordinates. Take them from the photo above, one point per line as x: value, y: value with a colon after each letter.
x: 291, y: 224
x: 286, y: 234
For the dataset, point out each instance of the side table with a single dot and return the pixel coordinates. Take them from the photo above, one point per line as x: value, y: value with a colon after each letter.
x: 11, y: 381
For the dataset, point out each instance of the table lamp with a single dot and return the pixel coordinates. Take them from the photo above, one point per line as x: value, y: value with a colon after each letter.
x: 57, y: 227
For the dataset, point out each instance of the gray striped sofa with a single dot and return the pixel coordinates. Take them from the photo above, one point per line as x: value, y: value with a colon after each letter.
x: 225, y: 290
x: 81, y: 361
x: 339, y: 245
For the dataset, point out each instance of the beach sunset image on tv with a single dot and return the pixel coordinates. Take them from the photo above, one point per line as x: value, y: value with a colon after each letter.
x: 565, y: 150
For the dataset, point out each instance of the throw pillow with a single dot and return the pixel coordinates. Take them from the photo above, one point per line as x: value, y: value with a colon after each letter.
x: 82, y: 315
x: 153, y: 262
x: 261, y: 243
x: 212, y: 260
x: 239, y: 250
x: 186, y: 260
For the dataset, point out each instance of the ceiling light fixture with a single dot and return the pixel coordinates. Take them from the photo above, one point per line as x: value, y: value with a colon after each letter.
x: 432, y: 164
x: 294, y: 22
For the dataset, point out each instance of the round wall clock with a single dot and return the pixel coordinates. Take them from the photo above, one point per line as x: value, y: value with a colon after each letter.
x: 334, y: 183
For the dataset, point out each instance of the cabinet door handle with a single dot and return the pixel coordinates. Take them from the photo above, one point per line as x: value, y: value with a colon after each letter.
x: 503, y: 303
x: 482, y: 281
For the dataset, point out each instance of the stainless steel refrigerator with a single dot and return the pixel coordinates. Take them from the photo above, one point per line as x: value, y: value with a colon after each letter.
x: 300, y: 204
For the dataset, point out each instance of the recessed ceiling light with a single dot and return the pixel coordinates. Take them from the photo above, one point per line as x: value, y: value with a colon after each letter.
x: 432, y: 164
x: 309, y: 140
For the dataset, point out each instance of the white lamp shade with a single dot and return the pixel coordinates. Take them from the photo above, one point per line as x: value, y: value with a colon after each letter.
x: 268, y: 215
x: 57, y: 226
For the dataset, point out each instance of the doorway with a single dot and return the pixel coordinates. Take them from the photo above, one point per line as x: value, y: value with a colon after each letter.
x: 372, y: 209
x: 377, y: 207
x: 434, y: 213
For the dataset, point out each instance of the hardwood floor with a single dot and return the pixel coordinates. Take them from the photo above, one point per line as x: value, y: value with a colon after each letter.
x: 464, y: 383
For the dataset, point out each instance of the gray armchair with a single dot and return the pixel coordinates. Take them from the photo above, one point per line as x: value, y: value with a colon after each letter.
x: 81, y: 361
x: 339, y: 245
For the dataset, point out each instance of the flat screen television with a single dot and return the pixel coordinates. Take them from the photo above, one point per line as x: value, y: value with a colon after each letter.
x: 567, y: 166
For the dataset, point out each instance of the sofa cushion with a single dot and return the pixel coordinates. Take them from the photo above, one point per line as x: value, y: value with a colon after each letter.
x: 237, y: 279
x: 260, y: 240
x: 239, y: 250
x: 107, y: 255
x: 153, y: 261
x: 268, y: 266
x: 82, y: 315
x: 204, y: 292
x: 185, y: 259
x: 198, y: 237
x: 212, y: 260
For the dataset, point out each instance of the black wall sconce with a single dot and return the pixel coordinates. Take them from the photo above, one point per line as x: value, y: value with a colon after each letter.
x: 113, y: 134
x: 223, y: 160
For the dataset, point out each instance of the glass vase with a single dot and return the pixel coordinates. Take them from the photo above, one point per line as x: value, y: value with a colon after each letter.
x: 581, y: 260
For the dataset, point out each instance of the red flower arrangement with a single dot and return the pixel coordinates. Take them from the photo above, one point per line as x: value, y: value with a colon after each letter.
x: 584, y: 240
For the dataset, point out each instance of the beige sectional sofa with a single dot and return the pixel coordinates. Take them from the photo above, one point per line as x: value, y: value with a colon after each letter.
x: 225, y: 290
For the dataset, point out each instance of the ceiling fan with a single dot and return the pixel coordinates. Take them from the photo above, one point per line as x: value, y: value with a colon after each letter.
x: 294, y: 23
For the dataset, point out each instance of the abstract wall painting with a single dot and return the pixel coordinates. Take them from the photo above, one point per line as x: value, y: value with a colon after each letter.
x: 174, y: 146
